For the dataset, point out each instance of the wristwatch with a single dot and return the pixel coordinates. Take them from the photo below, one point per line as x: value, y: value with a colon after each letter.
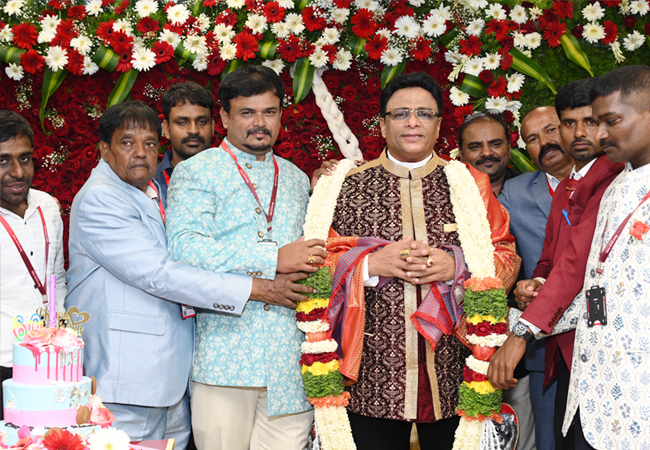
x: 521, y: 330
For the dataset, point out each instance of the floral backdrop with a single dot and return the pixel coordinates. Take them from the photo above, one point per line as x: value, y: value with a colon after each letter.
x: 62, y: 62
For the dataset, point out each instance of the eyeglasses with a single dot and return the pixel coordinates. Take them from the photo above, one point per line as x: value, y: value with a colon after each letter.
x: 424, y: 114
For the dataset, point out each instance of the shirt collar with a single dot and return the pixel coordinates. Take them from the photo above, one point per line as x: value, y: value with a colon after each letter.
x: 166, y: 162
x: 408, y: 165
x: 577, y: 175
x: 246, y: 157
x: 32, y: 204
x: 552, y: 181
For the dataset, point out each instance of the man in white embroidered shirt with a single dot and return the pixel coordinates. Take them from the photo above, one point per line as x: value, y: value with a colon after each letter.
x: 33, y: 217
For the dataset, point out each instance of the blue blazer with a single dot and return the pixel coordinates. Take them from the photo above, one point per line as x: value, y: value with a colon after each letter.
x: 137, y: 344
x: 528, y: 202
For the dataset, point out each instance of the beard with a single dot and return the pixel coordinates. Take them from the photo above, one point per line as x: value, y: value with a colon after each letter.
x: 258, y: 148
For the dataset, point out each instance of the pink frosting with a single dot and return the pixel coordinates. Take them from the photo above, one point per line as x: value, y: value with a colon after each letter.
x: 38, y: 337
x: 58, y: 418
x: 66, y: 339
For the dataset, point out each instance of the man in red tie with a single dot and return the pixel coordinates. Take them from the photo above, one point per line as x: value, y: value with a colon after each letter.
x: 559, y: 274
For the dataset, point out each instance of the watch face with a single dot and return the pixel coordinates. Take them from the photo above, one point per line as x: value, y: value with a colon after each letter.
x: 519, y: 329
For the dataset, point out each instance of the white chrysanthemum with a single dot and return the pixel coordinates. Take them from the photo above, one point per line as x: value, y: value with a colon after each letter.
x: 518, y: 14
x: 633, y: 41
x: 45, y: 36
x: 372, y: 5
x: 491, y: 340
x: 6, y: 35
x: 593, y: 32
x: 519, y: 40
x: 204, y: 22
x: 475, y: 27
x: 474, y: 66
x: 224, y: 33
x: 256, y: 23
x: 533, y: 40
x: 94, y: 7
x: 593, y: 12
x: 535, y: 12
x: 331, y: 35
x: 477, y: 4
x: 170, y: 37
x: 280, y: 29
x: 294, y: 23
x: 109, y: 439
x: 200, y: 63
x: 14, y: 71
x: 340, y: 15
x: 196, y: 44
x: 49, y: 23
x: 497, y: 12
x: 391, y: 57
x: 492, y: 61
x: 314, y: 326
x: 123, y: 25
x: 228, y: 51
x: 454, y: 57
x: 145, y: 8
x: 343, y: 60
x: 458, y: 97
x: 318, y: 59
x: 442, y: 11
x: 477, y: 365
x: 82, y: 44
x: 235, y: 4
x: 513, y: 106
x: 496, y: 105
x: 14, y: 7
x: 143, y: 59
x: 639, y: 7
x: 407, y: 27
x: 178, y: 14
x: 383, y: 33
x: 286, y: 3
x: 56, y: 58
x: 515, y: 82
x: 416, y: 3
x: 90, y: 68
x: 276, y: 64
x: 434, y: 25
x: 138, y: 42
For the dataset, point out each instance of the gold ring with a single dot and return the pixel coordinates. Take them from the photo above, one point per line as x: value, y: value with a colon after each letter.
x: 404, y: 253
x: 429, y: 262
x: 311, y: 260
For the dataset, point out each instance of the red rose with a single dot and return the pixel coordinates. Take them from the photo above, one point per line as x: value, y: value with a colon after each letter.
x: 629, y: 21
x: 486, y: 76
x: 469, y: 375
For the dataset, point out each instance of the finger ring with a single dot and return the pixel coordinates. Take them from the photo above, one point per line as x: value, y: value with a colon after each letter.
x: 522, y: 304
x: 429, y: 262
x: 311, y: 260
x: 404, y: 253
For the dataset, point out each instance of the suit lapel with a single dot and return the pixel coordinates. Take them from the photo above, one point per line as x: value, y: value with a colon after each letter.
x: 541, y: 193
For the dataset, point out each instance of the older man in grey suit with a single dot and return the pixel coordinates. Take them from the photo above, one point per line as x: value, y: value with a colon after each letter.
x: 528, y: 201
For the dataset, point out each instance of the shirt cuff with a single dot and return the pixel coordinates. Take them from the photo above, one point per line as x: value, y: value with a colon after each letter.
x: 533, y: 328
x: 368, y: 281
x: 540, y: 279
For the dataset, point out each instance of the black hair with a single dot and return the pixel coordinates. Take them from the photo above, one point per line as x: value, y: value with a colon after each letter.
x: 410, y: 80
x: 128, y: 115
x: 627, y: 80
x: 13, y: 125
x: 247, y: 81
x: 487, y: 117
x: 186, y: 92
x: 574, y: 95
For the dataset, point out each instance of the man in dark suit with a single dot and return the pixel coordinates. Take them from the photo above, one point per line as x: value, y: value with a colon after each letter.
x: 528, y: 200
x: 559, y: 274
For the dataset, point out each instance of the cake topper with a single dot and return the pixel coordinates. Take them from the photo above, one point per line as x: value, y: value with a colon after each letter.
x: 20, y: 329
x: 72, y: 319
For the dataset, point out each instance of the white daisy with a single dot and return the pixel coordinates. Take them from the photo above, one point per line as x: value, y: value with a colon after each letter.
x: 170, y: 37
x: 178, y: 14
x: 367, y: 4
x: 513, y: 105
x: 497, y: 12
x: 14, y: 7
x: 228, y: 51
x: 56, y: 58
x: 108, y: 439
x: 639, y: 7
x: 454, y: 57
x: 200, y: 63
x: 276, y: 64
x: 519, y: 40
x: 496, y: 105
x: 331, y: 35
x: 633, y: 41
x: 123, y: 25
x: 294, y: 23
x: 94, y: 7
x: 256, y: 23
x: 49, y: 23
x: 235, y: 4
x: 391, y: 57
x: 6, y: 35
x: 318, y: 59
x: 343, y: 60
x: 90, y: 68
x: 593, y: 12
x: 143, y: 59
x: 204, y: 22
x: 475, y: 27
x: 515, y: 82
x: 458, y: 97
x: 195, y: 44
x: 533, y: 40
x: 45, y: 36
x: 224, y: 33
x: 492, y: 61
x: 14, y: 71
x: 339, y: 15
x: 442, y: 11
x: 407, y: 27
x: 82, y: 44
x: 535, y: 12
x: 145, y: 8
x: 593, y: 32
x: 280, y: 29
x: 518, y: 14
x: 416, y: 3
x: 477, y: 4
x: 434, y: 25
x: 286, y: 3
x: 384, y: 33
x: 474, y: 66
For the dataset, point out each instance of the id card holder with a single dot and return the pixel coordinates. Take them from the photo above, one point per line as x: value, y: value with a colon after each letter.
x: 596, y: 309
x: 187, y: 311
x: 267, y: 242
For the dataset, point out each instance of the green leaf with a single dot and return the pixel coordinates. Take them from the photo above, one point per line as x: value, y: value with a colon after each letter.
x: 391, y: 72
x: 267, y: 49
x: 522, y: 63
x: 122, y: 87
x: 321, y: 281
x: 357, y: 45
x: 231, y: 66
x: 106, y: 58
x: 302, y: 79
x: 448, y: 37
x: 10, y: 54
x: 574, y: 52
x: 183, y: 53
x: 198, y: 8
x: 521, y: 161
x: 51, y: 82
x: 301, y: 4
x: 472, y: 85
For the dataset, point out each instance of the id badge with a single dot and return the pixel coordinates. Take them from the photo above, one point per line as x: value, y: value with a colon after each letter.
x: 267, y: 242
x: 596, y: 309
x: 187, y: 311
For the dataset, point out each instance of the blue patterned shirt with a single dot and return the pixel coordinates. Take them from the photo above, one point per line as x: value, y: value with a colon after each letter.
x: 214, y: 222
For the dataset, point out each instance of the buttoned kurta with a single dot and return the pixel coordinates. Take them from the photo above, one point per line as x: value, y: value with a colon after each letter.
x: 214, y: 222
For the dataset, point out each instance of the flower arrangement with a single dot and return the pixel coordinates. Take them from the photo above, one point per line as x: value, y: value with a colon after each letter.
x: 59, y: 439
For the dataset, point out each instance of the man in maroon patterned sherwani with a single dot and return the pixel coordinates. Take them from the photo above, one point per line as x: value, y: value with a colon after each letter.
x: 401, y: 196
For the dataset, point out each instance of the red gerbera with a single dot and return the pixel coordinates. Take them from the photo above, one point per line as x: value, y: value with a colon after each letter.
x: 209, y: 3
x: 611, y: 32
x: 612, y: 3
x: 121, y: 7
x: 364, y: 23
x: 290, y: 48
x: 314, y: 18
x: 404, y: 10
x: 471, y: 46
x: 174, y: 28
x: 65, y: 32
x: 390, y: 19
x: 274, y: 12
x: 164, y: 51
x: 63, y: 440
x: 124, y: 63
x: 498, y: 88
x: 342, y: 3
x: 506, y: 61
x: 553, y: 32
x: 461, y: 112
x: 227, y: 17
x: 421, y: 49
x: 331, y: 52
x: 507, y: 43
x: 31, y: 61
x: 376, y: 46
x: 246, y: 46
x: 215, y: 63
x: 77, y: 12
x: 147, y: 25
x: 105, y: 30
x: 486, y: 76
x: 577, y: 31
x: 563, y: 9
x: 25, y: 35
x: 75, y: 62
x: 105, y: 3
x: 497, y: 27
x: 548, y: 17
x: 120, y: 41
x: 58, y: 4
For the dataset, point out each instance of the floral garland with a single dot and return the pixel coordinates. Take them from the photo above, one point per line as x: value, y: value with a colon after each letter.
x: 59, y: 439
x: 485, y: 308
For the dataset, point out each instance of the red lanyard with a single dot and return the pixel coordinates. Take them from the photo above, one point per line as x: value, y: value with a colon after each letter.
x: 160, y: 205
x: 550, y: 189
x: 604, y: 253
x: 23, y: 255
x: 166, y: 175
x: 269, y: 216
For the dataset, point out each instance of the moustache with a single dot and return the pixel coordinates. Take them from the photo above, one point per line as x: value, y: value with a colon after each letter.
x: 547, y: 148
x: 605, y: 143
x: 494, y: 159
x: 193, y: 137
x: 258, y: 130
x: 581, y: 141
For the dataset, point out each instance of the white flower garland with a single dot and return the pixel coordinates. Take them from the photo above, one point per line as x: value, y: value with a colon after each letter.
x: 327, y: 346
x: 491, y: 340
x: 477, y: 365
x: 314, y: 326
x: 335, y: 420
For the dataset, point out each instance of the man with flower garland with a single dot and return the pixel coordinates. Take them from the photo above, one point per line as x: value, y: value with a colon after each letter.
x: 402, y: 195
